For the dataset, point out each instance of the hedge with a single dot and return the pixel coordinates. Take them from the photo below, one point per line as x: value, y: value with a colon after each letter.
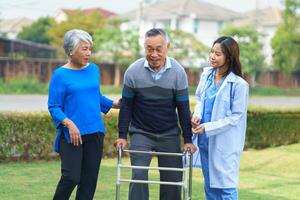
x: 268, y: 128
x: 30, y: 135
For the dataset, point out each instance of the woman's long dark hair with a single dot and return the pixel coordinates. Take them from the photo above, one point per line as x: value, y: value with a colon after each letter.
x: 231, y: 50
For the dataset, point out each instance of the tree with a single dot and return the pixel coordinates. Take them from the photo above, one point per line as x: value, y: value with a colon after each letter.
x: 186, y: 48
x: 76, y: 19
x: 286, y: 42
x: 38, y: 31
x: 251, y: 55
x: 116, y: 46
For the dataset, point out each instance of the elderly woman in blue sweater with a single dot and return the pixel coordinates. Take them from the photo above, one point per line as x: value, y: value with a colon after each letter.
x: 75, y: 104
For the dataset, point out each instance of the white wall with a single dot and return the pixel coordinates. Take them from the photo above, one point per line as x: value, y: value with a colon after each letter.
x: 208, y: 32
x: 60, y: 16
x: 186, y: 24
x: 266, y: 40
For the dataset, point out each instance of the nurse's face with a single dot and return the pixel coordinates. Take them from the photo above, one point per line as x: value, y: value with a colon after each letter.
x: 217, y: 58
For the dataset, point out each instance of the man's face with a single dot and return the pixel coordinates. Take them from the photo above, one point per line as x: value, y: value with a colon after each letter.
x: 156, y: 49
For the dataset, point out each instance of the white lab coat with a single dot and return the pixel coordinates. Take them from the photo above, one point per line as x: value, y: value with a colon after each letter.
x: 227, y: 129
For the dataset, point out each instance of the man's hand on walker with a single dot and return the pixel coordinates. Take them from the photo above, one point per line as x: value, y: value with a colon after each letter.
x: 189, y: 146
x: 122, y: 142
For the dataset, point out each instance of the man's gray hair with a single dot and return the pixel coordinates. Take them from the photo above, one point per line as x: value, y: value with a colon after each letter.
x: 155, y: 32
x: 73, y: 37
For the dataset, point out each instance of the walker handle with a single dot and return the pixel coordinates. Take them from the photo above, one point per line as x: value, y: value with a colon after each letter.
x: 120, y: 149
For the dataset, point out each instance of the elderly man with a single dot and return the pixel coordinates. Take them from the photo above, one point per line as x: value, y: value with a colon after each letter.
x: 154, y: 87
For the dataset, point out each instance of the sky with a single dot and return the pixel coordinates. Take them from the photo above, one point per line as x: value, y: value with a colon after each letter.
x: 37, y: 8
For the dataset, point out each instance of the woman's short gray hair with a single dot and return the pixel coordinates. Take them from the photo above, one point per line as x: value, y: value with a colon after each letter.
x: 73, y: 37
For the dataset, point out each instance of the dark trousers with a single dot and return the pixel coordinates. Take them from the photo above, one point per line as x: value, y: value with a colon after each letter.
x: 79, y: 167
x: 171, y: 143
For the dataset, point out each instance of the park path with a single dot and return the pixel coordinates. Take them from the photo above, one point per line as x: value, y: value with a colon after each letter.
x: 23, y: 103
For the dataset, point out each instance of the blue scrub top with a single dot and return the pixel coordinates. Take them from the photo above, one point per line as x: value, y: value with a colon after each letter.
x: 210, y: 96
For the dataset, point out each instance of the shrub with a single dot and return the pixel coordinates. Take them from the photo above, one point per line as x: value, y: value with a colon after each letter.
x: 268, y: 128
x: 31, y: 135
x: 25, y: 135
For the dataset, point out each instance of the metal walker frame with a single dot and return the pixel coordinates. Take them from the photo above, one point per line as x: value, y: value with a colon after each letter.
x: 186, y: 182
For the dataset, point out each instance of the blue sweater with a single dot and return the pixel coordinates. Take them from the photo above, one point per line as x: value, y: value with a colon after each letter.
x: 150, y: 105
x: 75, y: 94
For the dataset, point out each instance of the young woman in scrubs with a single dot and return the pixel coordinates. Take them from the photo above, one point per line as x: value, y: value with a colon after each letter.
x: 219, y: 120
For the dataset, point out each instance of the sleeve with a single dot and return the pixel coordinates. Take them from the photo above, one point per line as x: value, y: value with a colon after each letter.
x: 239, y: 109
x: 200, y: 87
x: 105, y: 103
x: 56, y: 95
x: 125, y: 113
x: 183, y: 106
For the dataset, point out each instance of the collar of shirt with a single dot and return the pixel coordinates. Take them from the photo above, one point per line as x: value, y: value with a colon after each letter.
x: 157, y: 75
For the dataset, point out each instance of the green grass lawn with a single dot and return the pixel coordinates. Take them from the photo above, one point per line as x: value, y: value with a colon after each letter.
x: 270, y: 174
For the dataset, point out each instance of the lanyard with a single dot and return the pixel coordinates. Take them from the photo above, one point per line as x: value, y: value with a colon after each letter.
x: 208, y: 82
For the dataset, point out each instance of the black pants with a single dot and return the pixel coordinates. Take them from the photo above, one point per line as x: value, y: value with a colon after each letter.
x: 79, y: 167
x: 139, y: 191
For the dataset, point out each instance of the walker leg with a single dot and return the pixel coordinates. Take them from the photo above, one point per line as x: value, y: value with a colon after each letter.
x: 118, y: 191
x: 185, y: 181
x: 118, y: 185
x: 190, y: 175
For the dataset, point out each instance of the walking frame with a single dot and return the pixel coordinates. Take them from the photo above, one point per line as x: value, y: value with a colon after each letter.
x: 186, y: 182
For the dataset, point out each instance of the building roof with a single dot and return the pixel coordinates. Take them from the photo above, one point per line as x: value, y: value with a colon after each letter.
x: 105, y: 13
x: 28, y: 43
x: 14, y: 26
x: 28, y: 48
x: 167, y: 9
x: 271, y: 16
